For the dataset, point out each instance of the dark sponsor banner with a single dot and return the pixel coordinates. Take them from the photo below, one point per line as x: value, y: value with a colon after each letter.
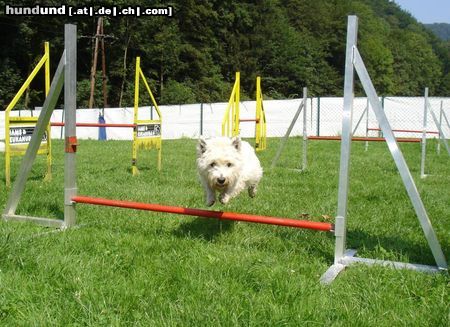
x: 22, y: 135
x: 149, y: 130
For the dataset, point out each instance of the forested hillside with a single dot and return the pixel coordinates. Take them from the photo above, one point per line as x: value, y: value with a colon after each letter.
x: 193, y: 56
x: 442, y: 30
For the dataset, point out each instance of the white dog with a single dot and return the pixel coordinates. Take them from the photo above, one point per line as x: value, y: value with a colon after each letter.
x: 227, y: 165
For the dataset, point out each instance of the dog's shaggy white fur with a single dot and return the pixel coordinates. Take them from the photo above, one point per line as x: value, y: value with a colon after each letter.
x: 228, y: 166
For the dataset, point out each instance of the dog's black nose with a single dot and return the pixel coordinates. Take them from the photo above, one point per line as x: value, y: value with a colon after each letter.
x: 221, y: 180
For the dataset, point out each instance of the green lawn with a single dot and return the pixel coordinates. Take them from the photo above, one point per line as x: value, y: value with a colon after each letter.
x: 123, y: 267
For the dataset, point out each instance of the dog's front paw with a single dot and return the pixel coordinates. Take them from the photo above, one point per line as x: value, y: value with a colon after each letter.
x: 252, y: 191
x: 224, y: 198
x: 210, y: 198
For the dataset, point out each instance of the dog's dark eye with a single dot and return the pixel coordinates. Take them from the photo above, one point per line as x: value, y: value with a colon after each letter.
x: 229, y: 164
x: 212, y: 164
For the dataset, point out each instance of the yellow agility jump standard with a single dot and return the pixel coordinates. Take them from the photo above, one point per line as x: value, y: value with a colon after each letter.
x: 146, y: 133
x: 260, y: 126
x: 18, y: 130
x: 231, y: 120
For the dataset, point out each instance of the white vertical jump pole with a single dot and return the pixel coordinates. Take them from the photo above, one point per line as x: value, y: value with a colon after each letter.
x: 424, y: 135
x: 438, y: 150
x: 70, y: 105
x: 305, y: 132
x: 340, y: 231
x: 366, y: 146
x: 346, y: 142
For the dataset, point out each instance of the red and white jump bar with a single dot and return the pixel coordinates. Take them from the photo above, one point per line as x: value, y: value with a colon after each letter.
x: 57, y: 124
x: 369, y: 139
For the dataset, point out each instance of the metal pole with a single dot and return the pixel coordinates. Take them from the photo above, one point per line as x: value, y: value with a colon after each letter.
x: 105, y: 94
x: 305, y: 132
x: 440, y: 124
x: 70, y: 95
x: 62, y: 128
x: 424, y: 135
x: 318, y: 116
x: 366, y: 147
x: 441, y: 132
x: 286, y: 136
x: 446, y: 119
x: 380, y: 133
x: 201, y: 118
x: 359, y: 121
x: 94, y: 64
x: 344, y: 170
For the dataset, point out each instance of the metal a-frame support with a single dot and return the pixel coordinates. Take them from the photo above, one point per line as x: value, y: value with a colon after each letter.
x: 344, y: 257
x: 65, y: 75
x: 438, y: 124
x: 301, y: 107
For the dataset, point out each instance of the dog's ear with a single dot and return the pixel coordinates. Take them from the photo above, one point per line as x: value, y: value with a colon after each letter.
x: 201, y: 146
x: 236, y: 142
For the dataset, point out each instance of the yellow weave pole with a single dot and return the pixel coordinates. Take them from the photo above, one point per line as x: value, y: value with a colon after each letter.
x: 236, y: 114
x: 48, y: 176
x: 134, y: 169
x: 230, y: 122
x: 258, y: 114
x: 152, y: 126
x: 260, y: 126
x: 45, y: 60
x: 227, y: 122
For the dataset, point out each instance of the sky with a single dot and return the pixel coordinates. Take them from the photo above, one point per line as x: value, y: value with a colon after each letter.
x: 427, y: 11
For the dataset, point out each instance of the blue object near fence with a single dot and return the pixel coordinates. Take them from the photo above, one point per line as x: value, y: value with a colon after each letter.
x: 101, y: 130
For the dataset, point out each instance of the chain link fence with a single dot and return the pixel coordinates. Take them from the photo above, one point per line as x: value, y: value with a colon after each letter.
x: 405, y: 115
x: 324, y: 118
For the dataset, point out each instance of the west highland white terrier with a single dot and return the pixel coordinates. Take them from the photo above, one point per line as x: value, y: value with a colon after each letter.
x: 228, y: 166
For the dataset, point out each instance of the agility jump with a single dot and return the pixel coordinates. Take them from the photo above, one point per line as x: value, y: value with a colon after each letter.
x: 146, y: 132
x: 343, y: 257
x: 18, y: 130
x: 423, y: 140
x: 306, y: 137
x: 231, y: 119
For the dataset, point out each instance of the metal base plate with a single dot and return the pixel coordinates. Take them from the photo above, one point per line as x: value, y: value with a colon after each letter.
x: 47, y: 222
x: 349, y: 259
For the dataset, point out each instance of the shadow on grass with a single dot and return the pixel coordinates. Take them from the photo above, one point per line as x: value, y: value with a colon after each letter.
x: 368, y: 245
x: 201, y: 228
x: 392, y: 248
x: 54, y: 209
x: 34, y: 178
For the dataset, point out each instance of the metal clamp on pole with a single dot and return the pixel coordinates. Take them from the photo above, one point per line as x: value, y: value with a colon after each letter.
x: 71, y: 144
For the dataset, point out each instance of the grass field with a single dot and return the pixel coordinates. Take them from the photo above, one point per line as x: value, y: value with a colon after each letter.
x: 124, y: 267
